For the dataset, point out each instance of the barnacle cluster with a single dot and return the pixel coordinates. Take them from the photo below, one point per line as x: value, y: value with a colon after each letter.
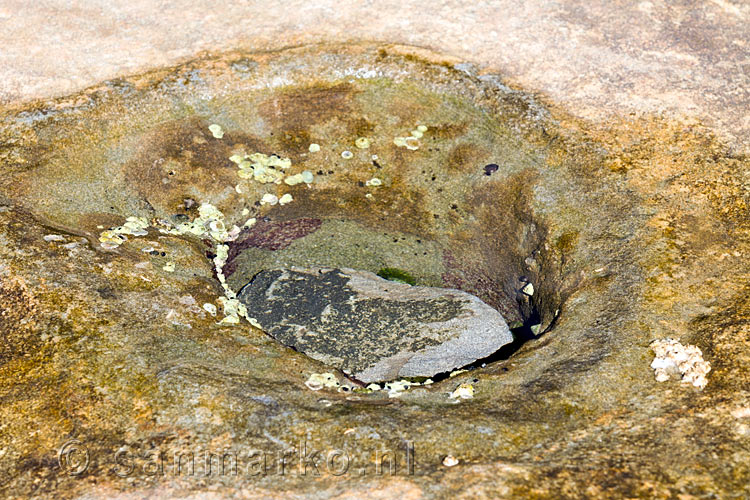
x: 411, y: 141
x: 261, y: 167
x: 116, y: 236
x: 210, y: 222
x: 317, y: 381
x: 687, y: 360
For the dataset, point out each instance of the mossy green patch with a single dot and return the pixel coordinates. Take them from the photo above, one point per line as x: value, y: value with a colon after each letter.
x: 397, y: 275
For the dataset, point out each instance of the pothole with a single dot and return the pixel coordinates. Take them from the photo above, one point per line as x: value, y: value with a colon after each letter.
x: 398, y: 169
x: 630, y: 231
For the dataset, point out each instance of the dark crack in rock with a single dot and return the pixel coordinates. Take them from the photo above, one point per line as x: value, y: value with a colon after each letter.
x: 370, y: 328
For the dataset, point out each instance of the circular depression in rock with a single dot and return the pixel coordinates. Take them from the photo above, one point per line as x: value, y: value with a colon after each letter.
x: 422, y: 167
x: 115, y: 347
x: 429, y: 176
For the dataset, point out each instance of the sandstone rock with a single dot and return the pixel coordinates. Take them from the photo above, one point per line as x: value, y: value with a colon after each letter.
x: 631, y: 230
x: 371, y: 328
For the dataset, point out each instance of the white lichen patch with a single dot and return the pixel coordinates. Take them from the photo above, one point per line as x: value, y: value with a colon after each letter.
x: 210, y: 308
x: 463, y: 391
x: 674, y: 358
x: 216, y: 130
x: 169, y: 267
x: 318, y: 381
x: 287, y: 198
x: 362, y: 143
x: 314, y: 148
x: 116, y: 236
x: 374, y: 182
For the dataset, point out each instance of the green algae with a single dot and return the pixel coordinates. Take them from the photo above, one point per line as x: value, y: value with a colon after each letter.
x: 397, y: 275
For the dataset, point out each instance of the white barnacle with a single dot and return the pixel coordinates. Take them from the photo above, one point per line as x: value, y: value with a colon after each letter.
x: 463, y: 391
x: 411, y: 143
x: 287, y: 198
x: 216, y: 130
x: 362, y: 143
x: 307, y: 177
x: 293, y: 180
x: 116, y: 236
x: 269, y: 199
x: 671, y: 357
x: 318, y: 381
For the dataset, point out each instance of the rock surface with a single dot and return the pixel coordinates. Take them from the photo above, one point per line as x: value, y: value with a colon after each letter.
x: 631, y: 230
x: 370, y: 328
x: 594, y: 58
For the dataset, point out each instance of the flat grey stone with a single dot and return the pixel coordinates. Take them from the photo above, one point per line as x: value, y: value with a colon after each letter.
x: 370, y: 328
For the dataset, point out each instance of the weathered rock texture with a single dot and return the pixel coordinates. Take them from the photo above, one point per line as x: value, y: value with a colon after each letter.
x: 593, y: 57
x: 630, y: 230
x: 371, y: 328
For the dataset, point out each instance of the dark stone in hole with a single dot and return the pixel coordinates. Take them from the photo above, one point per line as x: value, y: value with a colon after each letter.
x: 372, y: 329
